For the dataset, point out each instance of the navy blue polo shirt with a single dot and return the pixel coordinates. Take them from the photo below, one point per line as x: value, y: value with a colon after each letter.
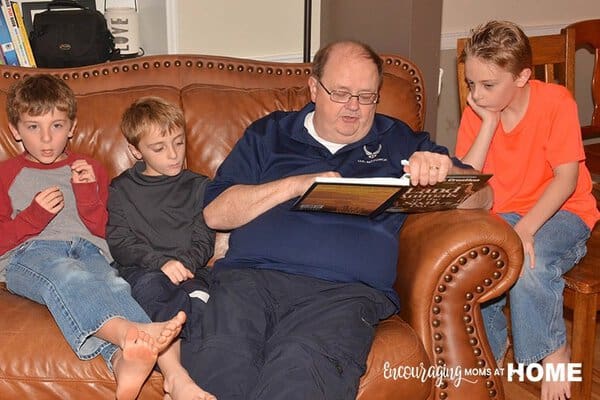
x: 341, y: 248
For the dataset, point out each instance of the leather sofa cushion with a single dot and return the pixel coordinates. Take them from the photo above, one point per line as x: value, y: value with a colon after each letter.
x: 396, y: 91
x: 35, y: 354
x: 395, y: 346
x: 225, y: 112
x: 98, y: 130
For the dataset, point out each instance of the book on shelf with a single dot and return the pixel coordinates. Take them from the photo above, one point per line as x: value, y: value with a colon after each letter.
x: 372, y: 196
x: 9, y: 54
x: 24, y: 36
x: 15, y: 33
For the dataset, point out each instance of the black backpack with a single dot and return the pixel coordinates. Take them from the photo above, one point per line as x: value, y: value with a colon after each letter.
x: 71, y: 38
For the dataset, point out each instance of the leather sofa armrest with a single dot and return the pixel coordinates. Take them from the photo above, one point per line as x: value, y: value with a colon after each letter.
x: 449, y: 263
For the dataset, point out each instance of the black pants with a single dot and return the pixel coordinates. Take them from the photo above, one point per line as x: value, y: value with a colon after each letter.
x: 271, y: 335
x: 162, y: 299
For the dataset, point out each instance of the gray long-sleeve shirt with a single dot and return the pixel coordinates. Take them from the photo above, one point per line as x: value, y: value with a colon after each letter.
x: 154, y: 219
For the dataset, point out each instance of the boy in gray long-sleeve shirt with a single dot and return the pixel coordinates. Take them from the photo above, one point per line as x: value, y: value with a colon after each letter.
x: 156, y: 232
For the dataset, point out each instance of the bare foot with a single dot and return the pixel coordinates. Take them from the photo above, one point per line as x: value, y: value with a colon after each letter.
x: 558, y: 390
x: 164, y: 332
x: 182, y: 387
x: 133, y: 363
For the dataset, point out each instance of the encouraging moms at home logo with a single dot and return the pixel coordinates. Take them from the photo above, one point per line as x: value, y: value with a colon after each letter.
x: 534, y: 372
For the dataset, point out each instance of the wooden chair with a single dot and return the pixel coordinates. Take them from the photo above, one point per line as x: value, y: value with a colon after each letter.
x: 586, y: 34
x: 554, y: 61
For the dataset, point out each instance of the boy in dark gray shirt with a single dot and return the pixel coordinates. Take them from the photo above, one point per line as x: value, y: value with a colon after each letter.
x: 156, y: 231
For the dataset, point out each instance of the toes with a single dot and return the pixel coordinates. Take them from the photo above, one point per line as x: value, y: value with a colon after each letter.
x: 180, y: 317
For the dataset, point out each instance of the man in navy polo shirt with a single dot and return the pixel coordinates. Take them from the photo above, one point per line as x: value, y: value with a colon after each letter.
x: 295, y: 301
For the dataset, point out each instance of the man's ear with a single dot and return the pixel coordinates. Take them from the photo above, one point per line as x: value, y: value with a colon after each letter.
x: 523, y: 77
x: 72, y: 128
x: 134, y: 152
x: 312, y: 86
x: 15, y: 132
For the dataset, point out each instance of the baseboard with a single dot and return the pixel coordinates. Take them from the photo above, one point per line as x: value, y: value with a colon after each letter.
x: 289, y: 58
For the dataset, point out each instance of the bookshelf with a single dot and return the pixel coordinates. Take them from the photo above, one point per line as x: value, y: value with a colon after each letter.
x: 157, y: 22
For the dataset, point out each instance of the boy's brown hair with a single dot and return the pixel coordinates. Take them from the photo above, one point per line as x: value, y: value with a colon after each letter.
x: 37, y: 95
x: 501, y: 43
x: 147, y: 113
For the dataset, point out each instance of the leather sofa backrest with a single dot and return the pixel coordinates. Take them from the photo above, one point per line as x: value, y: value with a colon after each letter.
x: 220, y: 97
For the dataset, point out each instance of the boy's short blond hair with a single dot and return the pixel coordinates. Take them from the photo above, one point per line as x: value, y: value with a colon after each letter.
x: 37, y: 95
x: 148, y: 113
x: 502, y: 43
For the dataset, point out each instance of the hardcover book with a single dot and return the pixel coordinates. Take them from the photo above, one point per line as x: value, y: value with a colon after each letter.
x: 6, y: 45
x: 372, y: 196
x: 24, y: 36
x: 15, y: 33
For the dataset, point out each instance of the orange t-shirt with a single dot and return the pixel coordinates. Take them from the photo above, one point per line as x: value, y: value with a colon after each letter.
x: 522, y: 160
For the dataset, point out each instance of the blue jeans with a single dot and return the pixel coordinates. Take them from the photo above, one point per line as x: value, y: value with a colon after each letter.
x: 79, y: 287
x: 536, y: 299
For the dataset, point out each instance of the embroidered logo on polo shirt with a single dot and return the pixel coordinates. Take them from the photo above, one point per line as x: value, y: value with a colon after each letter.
x: 372, y: 155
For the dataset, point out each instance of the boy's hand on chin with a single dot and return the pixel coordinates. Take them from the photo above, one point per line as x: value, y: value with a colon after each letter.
x: 491, y: 117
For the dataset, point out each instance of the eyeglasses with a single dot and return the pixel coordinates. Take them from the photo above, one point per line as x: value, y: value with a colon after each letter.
x: 341, y: 96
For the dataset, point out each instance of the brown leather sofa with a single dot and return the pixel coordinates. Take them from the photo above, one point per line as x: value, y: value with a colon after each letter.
x: 449, y: 262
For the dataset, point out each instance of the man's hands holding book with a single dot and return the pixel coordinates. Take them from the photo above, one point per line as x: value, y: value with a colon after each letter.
x: 426, y: 168
x: 430, y: 183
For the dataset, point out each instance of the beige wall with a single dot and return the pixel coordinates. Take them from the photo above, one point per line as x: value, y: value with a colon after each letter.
x: 262, y: 29
x: 536, y: 17
x: 460, y: 15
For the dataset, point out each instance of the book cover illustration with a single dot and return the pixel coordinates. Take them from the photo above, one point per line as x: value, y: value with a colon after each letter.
x: 372, y: 196
x: 444, y: 195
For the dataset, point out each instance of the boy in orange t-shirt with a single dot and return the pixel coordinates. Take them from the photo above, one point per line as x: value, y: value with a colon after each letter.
x: 526, y: 133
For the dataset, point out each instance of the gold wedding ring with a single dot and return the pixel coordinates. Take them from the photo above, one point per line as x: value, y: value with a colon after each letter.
x: 434, y: 167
